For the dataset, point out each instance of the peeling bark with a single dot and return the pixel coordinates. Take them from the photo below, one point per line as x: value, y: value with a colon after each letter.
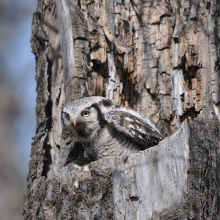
x: 158, y: 57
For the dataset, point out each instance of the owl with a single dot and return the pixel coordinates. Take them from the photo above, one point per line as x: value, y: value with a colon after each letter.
x: 106, y: 129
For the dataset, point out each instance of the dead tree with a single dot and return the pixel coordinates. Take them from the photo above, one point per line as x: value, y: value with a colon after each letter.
x: 156, y: 56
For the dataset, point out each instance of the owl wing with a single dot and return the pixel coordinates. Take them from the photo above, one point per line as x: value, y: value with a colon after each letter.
x: 134, y: 125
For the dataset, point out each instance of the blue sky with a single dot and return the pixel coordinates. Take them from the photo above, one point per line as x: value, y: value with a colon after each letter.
x: 18, y: 65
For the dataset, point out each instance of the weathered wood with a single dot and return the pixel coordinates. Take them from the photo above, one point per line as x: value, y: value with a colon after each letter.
x: 146, y: 182
x: 158, y: 57
x: 178, y: 179
x: 67, y: 45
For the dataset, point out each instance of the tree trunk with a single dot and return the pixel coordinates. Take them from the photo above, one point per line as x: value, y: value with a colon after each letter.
x: 160, y: 58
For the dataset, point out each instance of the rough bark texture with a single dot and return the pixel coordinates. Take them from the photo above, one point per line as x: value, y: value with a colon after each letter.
x: 158, y: 57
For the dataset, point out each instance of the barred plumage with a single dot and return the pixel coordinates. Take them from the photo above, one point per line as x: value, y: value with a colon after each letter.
x: 106, y: 129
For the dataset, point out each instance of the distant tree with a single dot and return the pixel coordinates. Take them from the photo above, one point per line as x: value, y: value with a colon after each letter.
x: 11, y: 181
x: 12, y: 177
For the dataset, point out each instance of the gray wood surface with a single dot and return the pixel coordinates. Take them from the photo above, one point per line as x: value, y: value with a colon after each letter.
x: 158, y: 57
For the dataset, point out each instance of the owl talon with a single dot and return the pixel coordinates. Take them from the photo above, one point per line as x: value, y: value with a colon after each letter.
x: 125, y: 158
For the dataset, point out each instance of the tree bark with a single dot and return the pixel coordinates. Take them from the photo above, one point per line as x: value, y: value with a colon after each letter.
x: 160, y: 58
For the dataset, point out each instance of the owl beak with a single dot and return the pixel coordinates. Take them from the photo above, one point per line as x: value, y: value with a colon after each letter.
x: 74, y: 122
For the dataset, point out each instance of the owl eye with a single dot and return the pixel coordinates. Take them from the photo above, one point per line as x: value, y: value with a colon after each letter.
x: 85, y: 113
x: 67, y: 116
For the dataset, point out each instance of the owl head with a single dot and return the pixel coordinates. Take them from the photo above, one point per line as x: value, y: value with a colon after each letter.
x: 85, y: 116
